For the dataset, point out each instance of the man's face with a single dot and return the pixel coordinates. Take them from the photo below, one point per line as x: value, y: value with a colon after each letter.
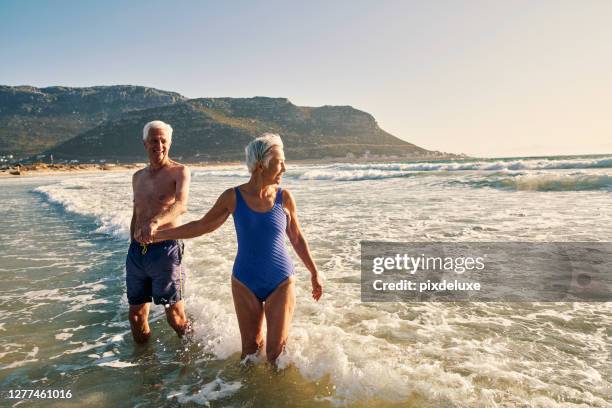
x: 157, y: 145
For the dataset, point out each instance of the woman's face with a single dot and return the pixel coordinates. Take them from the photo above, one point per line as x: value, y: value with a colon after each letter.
x: 276, y: 167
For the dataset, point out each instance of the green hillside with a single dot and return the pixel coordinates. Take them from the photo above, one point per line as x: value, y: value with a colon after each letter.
x: 35, y: 119
x: 219, y: 128
x: 105, y: 122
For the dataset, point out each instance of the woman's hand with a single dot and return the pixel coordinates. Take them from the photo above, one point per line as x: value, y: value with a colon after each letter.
x: 147, y: 232
x: 155, y: 237
x: 317, y: 289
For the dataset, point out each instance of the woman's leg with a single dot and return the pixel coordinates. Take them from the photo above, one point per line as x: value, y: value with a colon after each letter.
x: 250, y: 314
x: 279, y: 308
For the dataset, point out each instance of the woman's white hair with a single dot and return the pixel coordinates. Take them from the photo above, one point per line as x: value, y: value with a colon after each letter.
x: 260, y: 150
x: 157, y: 124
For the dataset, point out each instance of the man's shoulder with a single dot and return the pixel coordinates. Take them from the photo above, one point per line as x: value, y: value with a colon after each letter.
x: 180, y: 173
x: 138, y: 173
x: 179, y: 167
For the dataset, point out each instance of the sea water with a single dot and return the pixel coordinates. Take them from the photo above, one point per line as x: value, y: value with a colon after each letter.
x: 64, y: 310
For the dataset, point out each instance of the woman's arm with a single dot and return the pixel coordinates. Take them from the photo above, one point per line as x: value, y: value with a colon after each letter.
x: 298, y: 241
x: 213, y: 219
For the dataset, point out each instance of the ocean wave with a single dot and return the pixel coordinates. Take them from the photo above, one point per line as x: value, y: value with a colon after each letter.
x: 546, y: 182
x: 221, y: 173
x: 73, y: 196
x: 355, y: 175
x: 376, y: 171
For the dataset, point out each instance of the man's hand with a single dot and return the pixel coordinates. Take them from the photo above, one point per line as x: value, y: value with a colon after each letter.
x: 147, y: 232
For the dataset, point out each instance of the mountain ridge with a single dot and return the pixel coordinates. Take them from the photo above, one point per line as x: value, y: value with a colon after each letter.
x: 105, y: 122
x: 35, y: 119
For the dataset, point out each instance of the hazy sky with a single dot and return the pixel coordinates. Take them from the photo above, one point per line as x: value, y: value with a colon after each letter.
x: 487, y: 78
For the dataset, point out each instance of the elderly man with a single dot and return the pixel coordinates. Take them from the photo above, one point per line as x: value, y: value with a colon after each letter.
x: 155, y: 271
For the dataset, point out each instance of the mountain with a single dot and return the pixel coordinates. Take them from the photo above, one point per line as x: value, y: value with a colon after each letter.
x: 105, y: 122
x: 35, y: 119
x: 219, y: 128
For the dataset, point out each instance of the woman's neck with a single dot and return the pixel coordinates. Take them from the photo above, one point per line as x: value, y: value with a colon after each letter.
x: 257, y: 186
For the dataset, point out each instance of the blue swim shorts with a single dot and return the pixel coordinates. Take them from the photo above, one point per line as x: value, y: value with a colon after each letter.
x: 155, y: 271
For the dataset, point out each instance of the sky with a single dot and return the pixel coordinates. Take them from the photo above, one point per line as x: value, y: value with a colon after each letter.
x: 485, y: 78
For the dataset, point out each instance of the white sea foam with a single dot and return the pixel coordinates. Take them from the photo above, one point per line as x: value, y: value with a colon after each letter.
x: 73, y: 329
x: 374, y: 171
x: 212, y: 391
x: 360, y: 172
x: 117, y: 364
x: 224, y: 172
x: 29, y: 356
x: 16, y: 364
x: 366, y: 171
x: 85, y: 198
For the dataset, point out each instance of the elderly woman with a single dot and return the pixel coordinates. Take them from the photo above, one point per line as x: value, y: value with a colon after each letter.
x: 262, y: 280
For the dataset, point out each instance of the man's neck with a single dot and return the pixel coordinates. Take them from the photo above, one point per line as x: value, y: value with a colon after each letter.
x: 159, y: 165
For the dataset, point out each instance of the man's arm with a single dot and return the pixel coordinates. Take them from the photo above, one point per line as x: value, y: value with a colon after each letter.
x: 177, y: 208
x: 132, y: 224
x: 181, y: 196
x: 133, y: 221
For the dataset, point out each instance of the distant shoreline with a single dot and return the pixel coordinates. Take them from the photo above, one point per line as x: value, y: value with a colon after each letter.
x: 53, y: 170
x: 44, y: 169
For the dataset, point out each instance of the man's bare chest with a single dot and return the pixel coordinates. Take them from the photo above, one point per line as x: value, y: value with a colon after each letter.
x: 154, y: 190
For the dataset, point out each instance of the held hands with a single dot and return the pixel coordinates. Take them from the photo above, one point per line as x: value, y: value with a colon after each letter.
x: 146, y: 233
x: 317, y: 289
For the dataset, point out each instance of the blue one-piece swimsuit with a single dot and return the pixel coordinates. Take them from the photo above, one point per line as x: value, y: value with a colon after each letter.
x: 262, y: 262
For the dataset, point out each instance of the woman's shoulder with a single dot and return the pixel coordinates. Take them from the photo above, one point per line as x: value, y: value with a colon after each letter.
x: 287, y: 197
x: 239, y: 187
x: 227, y: 200
x: 229, y: 195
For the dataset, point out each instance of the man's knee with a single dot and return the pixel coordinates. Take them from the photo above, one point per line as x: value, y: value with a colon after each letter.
x: 177, y: 320
x: 136, y: 316
x: 138, y: 322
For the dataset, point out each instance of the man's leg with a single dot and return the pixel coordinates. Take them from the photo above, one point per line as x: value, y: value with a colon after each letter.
x: 175, y: 315
x: 138, y: 286
x: 168, y: 283
x: 279, y: 309
x: 139, y: 320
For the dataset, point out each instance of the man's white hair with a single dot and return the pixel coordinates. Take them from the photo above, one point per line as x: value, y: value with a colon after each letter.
x: 156, y: 124
x: 260, y: 150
